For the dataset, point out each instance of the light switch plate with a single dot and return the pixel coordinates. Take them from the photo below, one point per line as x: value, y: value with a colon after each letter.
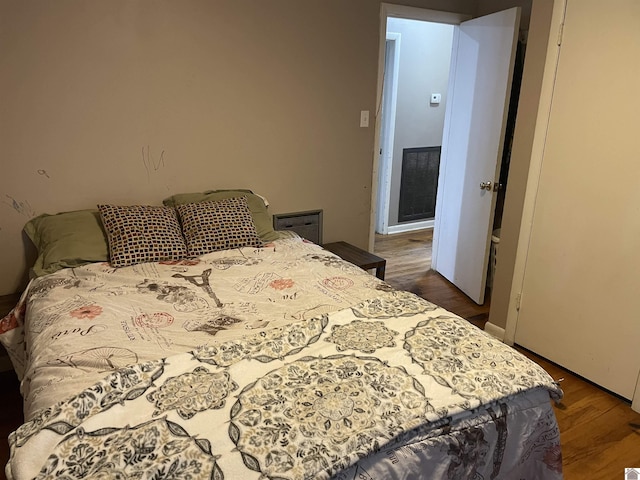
x: 364, y: 118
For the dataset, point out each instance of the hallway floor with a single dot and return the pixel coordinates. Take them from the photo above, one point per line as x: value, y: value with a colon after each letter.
x: 408, y: 258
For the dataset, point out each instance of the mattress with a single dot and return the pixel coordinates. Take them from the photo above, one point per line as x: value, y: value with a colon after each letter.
x: 277, y: 362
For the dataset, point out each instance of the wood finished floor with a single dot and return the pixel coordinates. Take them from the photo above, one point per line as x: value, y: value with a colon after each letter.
x: 408, y: 258
x: 600, y: 433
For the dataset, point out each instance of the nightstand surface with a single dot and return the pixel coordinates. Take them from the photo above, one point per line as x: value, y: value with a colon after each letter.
x: 357, y: 256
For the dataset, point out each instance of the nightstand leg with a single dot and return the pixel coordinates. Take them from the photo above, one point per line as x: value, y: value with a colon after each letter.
x: 380, y: 271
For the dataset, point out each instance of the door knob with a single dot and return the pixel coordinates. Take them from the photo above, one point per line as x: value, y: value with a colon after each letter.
x: 485, y: 186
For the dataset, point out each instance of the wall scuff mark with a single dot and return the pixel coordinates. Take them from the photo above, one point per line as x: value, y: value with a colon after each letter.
x: 20, y: 206
x: 150, y: 163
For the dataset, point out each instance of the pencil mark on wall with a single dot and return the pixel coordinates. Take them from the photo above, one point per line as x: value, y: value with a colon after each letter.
x: 151, y: 164
x: 43, y: 173
x: 20, y: 206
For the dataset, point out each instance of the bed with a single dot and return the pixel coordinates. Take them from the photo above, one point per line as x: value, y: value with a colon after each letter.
x: 246, y: 353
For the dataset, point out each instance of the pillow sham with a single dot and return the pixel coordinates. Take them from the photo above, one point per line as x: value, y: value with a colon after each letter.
x: 142, y: 233
x: 220, y: 225
x: 67, y: 239
x: 261, y: 217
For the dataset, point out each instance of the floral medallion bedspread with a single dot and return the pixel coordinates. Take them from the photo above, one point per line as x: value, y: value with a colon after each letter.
x: 74, y: 326
x: 282, y: 362
x: 317, y: 398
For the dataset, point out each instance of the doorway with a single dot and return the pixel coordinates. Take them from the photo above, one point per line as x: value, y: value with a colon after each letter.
x: 416, y: 76
x: 499, y: 29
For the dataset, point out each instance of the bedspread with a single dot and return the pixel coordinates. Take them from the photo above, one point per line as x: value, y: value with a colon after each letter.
x: 83, y: 322
x: 282, y: 362
x: 305, y: 400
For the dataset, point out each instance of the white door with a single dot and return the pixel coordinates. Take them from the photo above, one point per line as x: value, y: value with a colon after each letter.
x: 472, y: 145
x: 581, y: 293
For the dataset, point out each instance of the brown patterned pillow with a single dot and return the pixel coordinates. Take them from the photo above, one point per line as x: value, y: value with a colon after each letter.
x: 142, y: 233
x: 211, y: 226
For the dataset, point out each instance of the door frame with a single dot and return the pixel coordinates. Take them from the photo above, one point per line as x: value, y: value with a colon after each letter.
x: 534, y: 169
x: 388, y: 126
x: 399, y: 11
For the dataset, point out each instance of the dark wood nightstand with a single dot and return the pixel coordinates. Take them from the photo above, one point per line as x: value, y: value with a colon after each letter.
x: 357, y: 256
x: 306, y: 224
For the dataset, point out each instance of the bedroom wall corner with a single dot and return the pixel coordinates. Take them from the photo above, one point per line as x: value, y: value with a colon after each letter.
x: 504, y: 289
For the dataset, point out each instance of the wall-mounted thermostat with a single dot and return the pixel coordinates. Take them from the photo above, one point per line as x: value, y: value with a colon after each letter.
x: 435, y: 98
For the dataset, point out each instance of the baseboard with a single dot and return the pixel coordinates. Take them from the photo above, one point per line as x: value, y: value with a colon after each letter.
x: 494, y: 331
x: 410, y: 227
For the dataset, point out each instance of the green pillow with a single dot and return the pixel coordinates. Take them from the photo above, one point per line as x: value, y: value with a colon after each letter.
x: 67, y: 239
x: 261, y: 217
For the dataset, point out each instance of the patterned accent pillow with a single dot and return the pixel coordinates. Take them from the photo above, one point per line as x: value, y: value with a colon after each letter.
x: 142, y: 233
x: 211, y: 226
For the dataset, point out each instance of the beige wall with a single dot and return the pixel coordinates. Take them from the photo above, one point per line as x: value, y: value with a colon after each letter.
x: 523, y: 144
x: 130, y: 101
